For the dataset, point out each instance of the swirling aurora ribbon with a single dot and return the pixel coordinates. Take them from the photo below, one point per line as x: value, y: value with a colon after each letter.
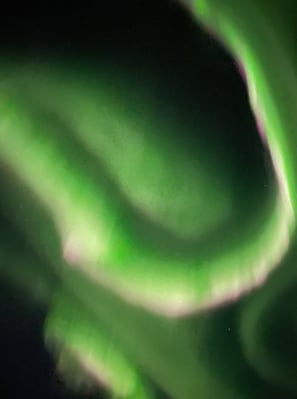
x: 111, y: 207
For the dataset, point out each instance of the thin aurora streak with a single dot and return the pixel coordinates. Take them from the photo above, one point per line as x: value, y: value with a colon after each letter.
x: 119, y: 306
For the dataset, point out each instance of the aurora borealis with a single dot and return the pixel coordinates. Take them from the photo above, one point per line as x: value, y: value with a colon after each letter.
x: 150, y: 211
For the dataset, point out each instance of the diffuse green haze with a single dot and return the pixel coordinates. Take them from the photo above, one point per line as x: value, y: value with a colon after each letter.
x: 136, y: 237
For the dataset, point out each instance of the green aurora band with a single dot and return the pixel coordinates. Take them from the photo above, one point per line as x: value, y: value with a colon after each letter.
x: 111, y: 208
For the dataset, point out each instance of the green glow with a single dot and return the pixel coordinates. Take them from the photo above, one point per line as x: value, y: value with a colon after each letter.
x: 105, y: 245
x: 129, y: 230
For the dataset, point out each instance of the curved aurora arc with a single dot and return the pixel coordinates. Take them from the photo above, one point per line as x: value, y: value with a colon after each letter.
x: 117, y: 313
